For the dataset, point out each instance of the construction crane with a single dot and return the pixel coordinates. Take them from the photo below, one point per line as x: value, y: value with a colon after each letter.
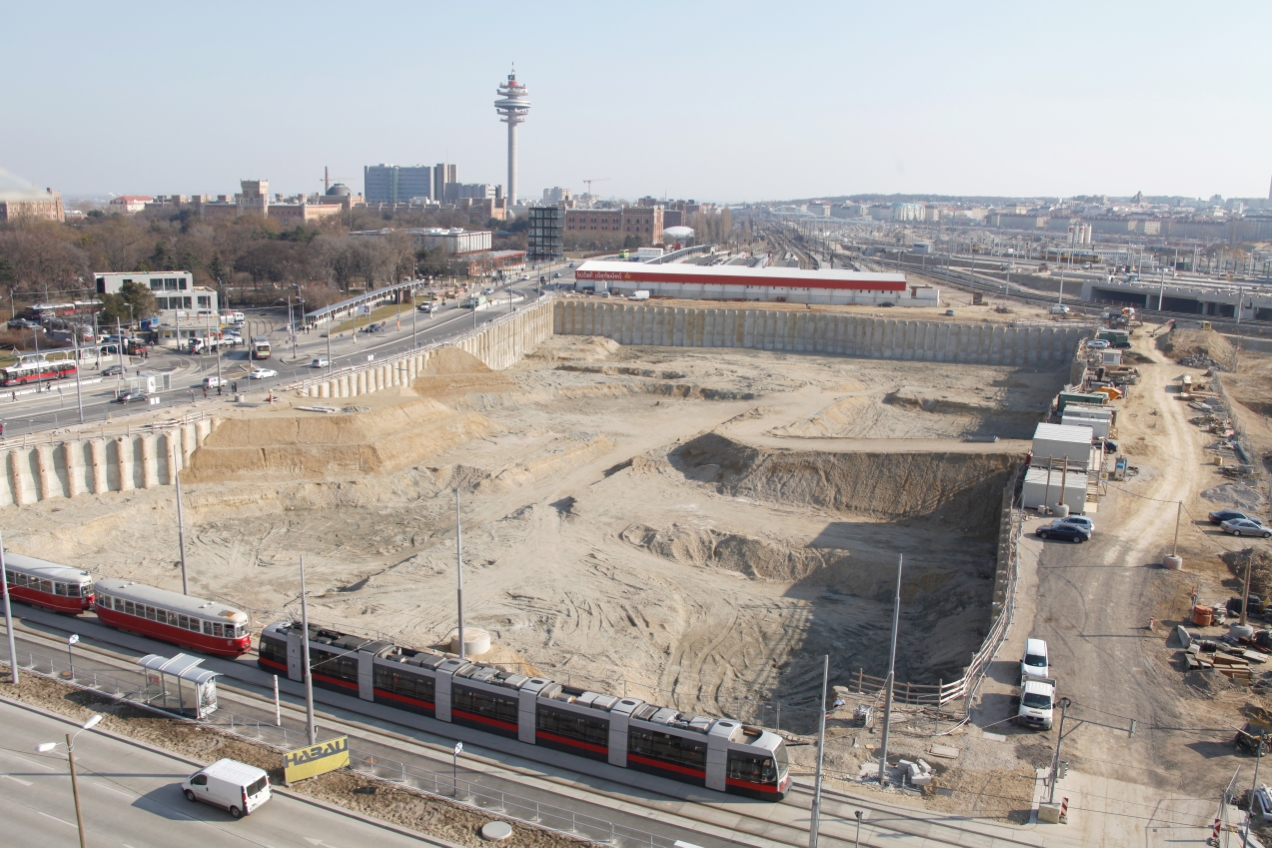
x: 595, y: 180
x: 327, y: 178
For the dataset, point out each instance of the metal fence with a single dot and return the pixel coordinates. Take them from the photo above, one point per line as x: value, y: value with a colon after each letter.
x: 446, y: 785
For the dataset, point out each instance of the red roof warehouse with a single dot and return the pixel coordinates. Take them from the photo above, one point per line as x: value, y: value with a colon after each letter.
x: 736, y: 282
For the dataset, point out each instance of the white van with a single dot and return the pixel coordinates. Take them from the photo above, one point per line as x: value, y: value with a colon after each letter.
x: 1059, y: 309
x: 230, y: 785
x: 1036, y: 662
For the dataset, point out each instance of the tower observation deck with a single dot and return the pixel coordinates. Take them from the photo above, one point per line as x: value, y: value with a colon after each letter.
x: 513, y: 105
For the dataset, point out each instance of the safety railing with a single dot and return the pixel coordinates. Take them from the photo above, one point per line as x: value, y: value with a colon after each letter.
x: 487, y: 799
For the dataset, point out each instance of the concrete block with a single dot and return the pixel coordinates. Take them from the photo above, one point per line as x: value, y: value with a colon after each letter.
x: 1049, y: 813
x: 1179, y: 637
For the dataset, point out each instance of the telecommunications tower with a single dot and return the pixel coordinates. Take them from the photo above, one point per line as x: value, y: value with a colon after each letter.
x: 513, y: 106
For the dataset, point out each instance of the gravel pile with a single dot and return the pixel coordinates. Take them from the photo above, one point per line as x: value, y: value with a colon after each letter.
x: 1201, y: 360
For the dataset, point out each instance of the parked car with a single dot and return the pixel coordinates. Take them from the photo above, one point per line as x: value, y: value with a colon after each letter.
x: 1036, y: 662
x: 571, y: 264
x: 319, y: 362
x: 233, y: 786
x: 1078, y: 521
x: 1222, y: 515
x: 262, y: 373
x: 1245, y: 527
x: 133, y: 397
x: 113, y: 371
x: 1110, y: 446
x: 1097, y: 344
x: 1058, y: 530
x: 949, y: 313
x: 887, y: 303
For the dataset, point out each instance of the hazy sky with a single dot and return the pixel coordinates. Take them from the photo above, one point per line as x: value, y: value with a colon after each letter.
x: 724, y: 101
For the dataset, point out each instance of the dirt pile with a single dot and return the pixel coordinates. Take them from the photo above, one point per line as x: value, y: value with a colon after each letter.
x: 1236, y: 495
x: 1260, y: 574
x: 1196, y: 345
x: 451, y: 375
x: 302, y: 445
x: 957, y: 490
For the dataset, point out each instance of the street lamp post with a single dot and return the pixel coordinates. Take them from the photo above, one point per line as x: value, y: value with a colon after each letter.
x: 46, y: 747
x: 8, y: 619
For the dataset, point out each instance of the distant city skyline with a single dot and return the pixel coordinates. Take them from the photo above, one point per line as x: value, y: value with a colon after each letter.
x: 736, y: 102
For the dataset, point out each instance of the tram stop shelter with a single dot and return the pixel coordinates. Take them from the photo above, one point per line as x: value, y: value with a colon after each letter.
x: 177, y: 684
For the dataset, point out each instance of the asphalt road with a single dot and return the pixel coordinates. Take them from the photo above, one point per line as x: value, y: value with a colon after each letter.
x: 25, y: 414
x: 131, y: 797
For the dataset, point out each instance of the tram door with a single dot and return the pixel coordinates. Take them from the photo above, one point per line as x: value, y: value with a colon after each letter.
x: 295, y: 660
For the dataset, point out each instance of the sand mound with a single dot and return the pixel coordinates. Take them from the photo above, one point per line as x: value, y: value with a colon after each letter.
x: 451, y: 374
x: 567, y: 348
x: 963, y: 491
x: 1235, y: 495
x: 311, y: 446
x: 1183, y: 343
x: 1260, y: 574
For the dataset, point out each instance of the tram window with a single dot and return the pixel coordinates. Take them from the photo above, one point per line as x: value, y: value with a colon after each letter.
x: 574, y: 726
x: 207, y: 628
x: 751, y: 768
x: 172, y: 618
x: 150, y: 613
x: 59, y: 589
x: 119, y: 605
x: 183, y: 622
x: 484, y: 703
x: 216, y: 628
x: 667, y: 746
x: 18, y: 579
x: 46, y: 586
x: 128, y: 608
x: 75, y: 591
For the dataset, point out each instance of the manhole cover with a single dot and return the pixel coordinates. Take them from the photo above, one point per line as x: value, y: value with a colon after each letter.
x: 496, y: 830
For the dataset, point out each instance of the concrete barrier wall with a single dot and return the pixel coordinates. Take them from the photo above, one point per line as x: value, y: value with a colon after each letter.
x: 95, y: 466
x: 499, y: 345
x: 816, y: 332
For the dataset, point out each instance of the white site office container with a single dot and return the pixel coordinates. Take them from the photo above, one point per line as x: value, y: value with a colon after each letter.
x: 1099, y: 426
x: 1056, y: 441
x: 1041, y: 491
x: 1111, y: 357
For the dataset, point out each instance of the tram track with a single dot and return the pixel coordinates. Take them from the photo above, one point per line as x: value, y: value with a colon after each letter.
x: 891, y: 823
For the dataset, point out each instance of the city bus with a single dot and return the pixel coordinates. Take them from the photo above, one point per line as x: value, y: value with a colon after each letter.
x: 260, y: 348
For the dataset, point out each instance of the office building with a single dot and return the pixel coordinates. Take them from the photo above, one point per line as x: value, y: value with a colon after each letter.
x: 643, y: 221
x: 41, y: 207
x: 443, y: 175
x: 556, y: 196
x: 545, y: 238
x: 176, y: 295
x: 397, y: 184
x: 128, y: 204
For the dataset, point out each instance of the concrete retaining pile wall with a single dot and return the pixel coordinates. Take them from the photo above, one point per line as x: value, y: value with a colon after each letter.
x: 499, y: 345
x: 816, y: 332
x: 96, y: 466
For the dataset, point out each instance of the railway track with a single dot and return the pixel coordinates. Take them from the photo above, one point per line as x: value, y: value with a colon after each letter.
x: 889, y: 824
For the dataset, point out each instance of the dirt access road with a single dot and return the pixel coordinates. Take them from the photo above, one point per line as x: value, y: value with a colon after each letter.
x: 1092, y: 606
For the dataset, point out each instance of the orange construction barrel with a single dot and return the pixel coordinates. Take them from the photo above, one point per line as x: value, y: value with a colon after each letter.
x: 1202, y: 615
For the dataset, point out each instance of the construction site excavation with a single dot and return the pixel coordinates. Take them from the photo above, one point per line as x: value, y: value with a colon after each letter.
x: 695, y: 527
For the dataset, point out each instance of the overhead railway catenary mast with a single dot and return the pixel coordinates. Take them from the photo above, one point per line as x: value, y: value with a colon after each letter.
x: 716, y: 753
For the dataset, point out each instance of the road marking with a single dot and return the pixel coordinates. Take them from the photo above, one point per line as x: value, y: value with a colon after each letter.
x: 56, y: 819
x: 113, y: 789
x: 16, y: 779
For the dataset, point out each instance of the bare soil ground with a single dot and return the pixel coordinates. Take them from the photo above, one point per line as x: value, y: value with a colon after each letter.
x: 648, y: 520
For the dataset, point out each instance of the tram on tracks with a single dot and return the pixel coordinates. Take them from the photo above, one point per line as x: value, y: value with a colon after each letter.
x: 715, y: 753
x: 35, y: 371
x: 195, y: 623
x: 60, y: 588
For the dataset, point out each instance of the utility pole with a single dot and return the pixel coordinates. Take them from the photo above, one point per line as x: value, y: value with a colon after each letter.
x: 8, y: 618
x: 79, y: 393
x: 892, y: 664
x: 1055, y: 762
x: 815, y: 821
x: 459, y: 568
x: 414, y: 313
x: 185, y: 586
x: 1254, y: 787
x: 119, y: 350
x: 304, y: 657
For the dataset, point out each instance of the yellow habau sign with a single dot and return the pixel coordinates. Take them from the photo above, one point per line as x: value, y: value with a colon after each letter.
x: 316, y: 760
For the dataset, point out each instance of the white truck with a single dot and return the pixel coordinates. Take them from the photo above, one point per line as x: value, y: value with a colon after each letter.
x: 1037, y: 702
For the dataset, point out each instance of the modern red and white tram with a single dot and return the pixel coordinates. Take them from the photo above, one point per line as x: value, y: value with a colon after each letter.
x: 201, y: 625
x: 715, y: 753
x: 46, y: 584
